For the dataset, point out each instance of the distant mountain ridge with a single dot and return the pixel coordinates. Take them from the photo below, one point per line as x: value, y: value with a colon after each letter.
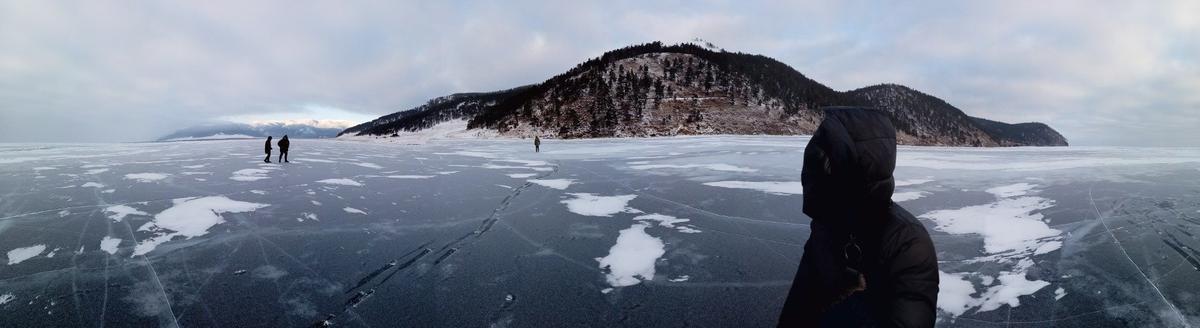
x: 657, y: 90
x: 230, y: 130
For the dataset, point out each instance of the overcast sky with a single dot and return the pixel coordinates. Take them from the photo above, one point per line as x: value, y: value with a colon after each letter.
x: 1100, y: 72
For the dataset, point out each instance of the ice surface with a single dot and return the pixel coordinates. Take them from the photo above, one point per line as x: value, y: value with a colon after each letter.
x: 352, y: 210
x: 593, y: 205
x: 1078, y: 236
x: 770, y: 187
x: 560, y: 184
x: 633, y: 257
x: 250, y: 175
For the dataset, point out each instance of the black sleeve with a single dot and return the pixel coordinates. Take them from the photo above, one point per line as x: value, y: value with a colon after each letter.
x: 915, y: 273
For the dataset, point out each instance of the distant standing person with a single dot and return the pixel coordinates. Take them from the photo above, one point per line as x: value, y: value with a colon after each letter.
x: 268, y: 150
x: 283, y: 148
x: 537, y: 144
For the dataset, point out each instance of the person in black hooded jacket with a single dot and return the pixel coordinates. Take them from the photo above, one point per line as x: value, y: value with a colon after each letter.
x: 867, y: 262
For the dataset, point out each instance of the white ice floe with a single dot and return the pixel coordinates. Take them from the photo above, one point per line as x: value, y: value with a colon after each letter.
x: 907, y: 196
x: 92, y: 185
x: 352, y: 210
x: 249, y: 175
x: 521, y: 175
x: 119, y: 212
x: 560, y: 184
x: 714, y: 167
x: 592, y: 205
x: 344, y: 182
x: 409, y: 176
x: 188, y: 218
x: 109, y: 244
x: 912, y: 182
x: 146, y: 177
x: 21, y: 254
x: 632, y: 258
x: 7, y: 297
x: 770, y: 187
x: 368, y: 165
x: 95, y: 171
x: 1012, y: 190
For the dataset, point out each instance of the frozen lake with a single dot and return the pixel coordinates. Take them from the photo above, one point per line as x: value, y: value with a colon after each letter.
x: 666, y: 232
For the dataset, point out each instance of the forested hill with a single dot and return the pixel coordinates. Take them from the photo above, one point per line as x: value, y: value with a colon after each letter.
x: 657, y: 90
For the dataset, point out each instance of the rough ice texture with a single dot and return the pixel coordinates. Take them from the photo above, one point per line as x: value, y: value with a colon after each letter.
x: 109, y: 244
x: 770, y: 187
x: 146, y: 177
x: 632, y: 258
x: 190, y: 217
x: 24, y: 253
x: 592, y: 205
x: 714, y: 167
x: 560, y: 184
x: 344, y: 182
x: 119, y: 212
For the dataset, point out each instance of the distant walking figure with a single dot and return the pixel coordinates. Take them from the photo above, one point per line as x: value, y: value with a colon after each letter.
x: 268, y: 150
x: 537, y: 144
x: 283, y: 147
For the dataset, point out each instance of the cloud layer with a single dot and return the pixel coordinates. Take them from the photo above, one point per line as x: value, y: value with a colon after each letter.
x: 1101, y: 72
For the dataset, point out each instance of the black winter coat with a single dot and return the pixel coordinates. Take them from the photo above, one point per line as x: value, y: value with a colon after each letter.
x: 857, y: 230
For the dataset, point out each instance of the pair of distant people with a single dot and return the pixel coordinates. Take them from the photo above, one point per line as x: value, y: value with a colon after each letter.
x: 283, y: 150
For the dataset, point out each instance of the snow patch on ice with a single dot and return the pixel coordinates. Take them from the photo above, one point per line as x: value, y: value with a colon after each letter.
x: 912, y: 182
x: 193, y: 167
x: 344, y: 182
x: 109, y: 244
x: 907, y: 196
x: 770, y: 187
x: 521, y: 175
x: 249, y: 175
x: 1059, y: 293
x: 146, y: 177
x: 93, y: 185
x: 954, y: 293
x: 409, y: 176
x: 632, y: 258
x: 593, y: 205
x: 95, y: 171
x: 119, y: 212
x: 681, y: 278
x: 1017, y: 189
x: 368, y: 165
x: 714, y: 167
x: 188, y: 218
x: 7, y: 297
x: 21, y: 254
x: 352, y: 210
x: 560, y: 184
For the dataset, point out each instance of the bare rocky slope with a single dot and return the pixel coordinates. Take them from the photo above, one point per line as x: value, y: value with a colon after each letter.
x: 657, y: 90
